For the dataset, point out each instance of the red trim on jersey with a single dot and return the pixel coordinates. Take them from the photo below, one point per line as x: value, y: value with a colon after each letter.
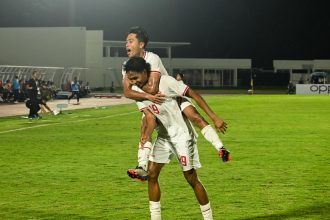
x: 141, y: 110
x: 144, y: 54
x: 185, y: 90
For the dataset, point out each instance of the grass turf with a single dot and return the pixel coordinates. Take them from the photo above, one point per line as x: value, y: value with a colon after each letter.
x: 73, y: 166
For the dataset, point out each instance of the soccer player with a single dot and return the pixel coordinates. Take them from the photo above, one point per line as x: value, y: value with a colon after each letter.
x: 136, y: 42
x: 176, y: 136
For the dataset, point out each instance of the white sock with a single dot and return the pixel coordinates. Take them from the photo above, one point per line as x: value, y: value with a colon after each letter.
x: 143, y: 155
x: 211, y: 136
x: 207, y: 211
x: 155, y: 211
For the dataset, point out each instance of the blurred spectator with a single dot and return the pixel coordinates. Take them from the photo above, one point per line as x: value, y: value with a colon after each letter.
x: 7, y: 91
x: 112, y: 88
x: 75, y: 87
x: 87, y: 88
x: 179, y: 77
x: 42, y: 106
x: 291, y: 88
x: 1, y: 91
x: 16, y: 89
x: 23, y: 91
x: 32, y: 88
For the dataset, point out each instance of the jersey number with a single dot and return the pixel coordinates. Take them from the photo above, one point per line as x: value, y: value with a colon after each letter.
x: 183, y: 160
x: 154, y: 108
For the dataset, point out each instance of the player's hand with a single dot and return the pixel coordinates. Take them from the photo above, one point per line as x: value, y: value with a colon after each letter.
x: 144, y: 139
x: 159, y: 98
x: 220, y: 125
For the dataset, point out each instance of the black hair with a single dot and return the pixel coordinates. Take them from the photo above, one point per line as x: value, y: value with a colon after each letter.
x: 180, y: 74
x: 141, y: 34
x: 137, y: 64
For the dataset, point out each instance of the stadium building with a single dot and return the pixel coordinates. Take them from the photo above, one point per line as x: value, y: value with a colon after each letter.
x: 61, y: 53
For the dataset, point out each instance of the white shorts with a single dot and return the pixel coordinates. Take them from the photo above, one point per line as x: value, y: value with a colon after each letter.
x: 185, y: 102
x: 186, y: 153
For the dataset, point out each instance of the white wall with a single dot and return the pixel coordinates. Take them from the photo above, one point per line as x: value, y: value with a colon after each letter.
x: 211, y: 63
x: 112, y: 70
x: 94, y: 50
x: 115, y: 63
x: 321, y: 64
x: 292, y: 64
x: 44, y: 46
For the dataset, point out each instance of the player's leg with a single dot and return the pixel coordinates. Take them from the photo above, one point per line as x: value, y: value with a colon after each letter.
x: 207, y: 130
x: 154, y: 191
x: 42, y: 109
x: 200, y: 193
x: 187, y: 154
x: 70, y: 97
x: 28, y: 105
x: 34, y: 107
x: 147, y: 126
x: 153, y: 184
x: 160, y: 155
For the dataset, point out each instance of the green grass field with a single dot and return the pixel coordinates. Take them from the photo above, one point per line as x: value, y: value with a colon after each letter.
x: 73, y: 166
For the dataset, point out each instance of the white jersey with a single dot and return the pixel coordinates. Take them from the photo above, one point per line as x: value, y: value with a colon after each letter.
x: 156, y: 65
x: 169, y: 113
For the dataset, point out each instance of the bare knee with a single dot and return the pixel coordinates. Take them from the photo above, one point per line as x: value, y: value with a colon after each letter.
x: 191, y: 178
x: 153, y: 172
x: 152, y: 175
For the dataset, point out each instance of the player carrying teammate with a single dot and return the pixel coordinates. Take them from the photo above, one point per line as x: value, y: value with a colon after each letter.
x: 176, y: 136
x: 136, y: 42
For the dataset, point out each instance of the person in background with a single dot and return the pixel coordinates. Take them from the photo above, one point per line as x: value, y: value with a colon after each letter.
x: 291, y: 88
x: 7, y: 91
x: 16, y: 89
x: 1, y: 91
x: 32, y: 91
x: 179, y: 77
x: 75, y: 86
x: 112, y: 88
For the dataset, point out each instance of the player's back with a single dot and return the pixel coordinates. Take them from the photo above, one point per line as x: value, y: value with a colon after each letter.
x: 155, y: 62
x: 169, y: 113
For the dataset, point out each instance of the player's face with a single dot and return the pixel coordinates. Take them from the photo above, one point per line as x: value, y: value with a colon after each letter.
x: 134, y: 48
x: 138, y: 79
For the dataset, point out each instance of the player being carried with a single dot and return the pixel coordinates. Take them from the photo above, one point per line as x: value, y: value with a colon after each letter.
x: 176, y: 135
x: 136, y: 42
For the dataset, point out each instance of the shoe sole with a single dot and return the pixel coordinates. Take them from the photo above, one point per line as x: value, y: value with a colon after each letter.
x: 135, y: 176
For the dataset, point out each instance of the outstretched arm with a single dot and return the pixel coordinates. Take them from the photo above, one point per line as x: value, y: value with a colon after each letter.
x: 139, y: 96
x: 218, y: 122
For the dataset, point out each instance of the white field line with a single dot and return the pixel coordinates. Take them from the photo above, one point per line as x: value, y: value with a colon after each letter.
x: 60, y: 123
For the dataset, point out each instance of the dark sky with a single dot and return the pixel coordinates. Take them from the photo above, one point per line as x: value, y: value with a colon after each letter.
x: 259, y: 29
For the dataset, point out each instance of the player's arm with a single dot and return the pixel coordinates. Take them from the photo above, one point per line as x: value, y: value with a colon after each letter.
x: 139, y: 96
x: 152, y: 87
x: 148, y: 126
x: 218, y: 122
x: 46, y: 106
